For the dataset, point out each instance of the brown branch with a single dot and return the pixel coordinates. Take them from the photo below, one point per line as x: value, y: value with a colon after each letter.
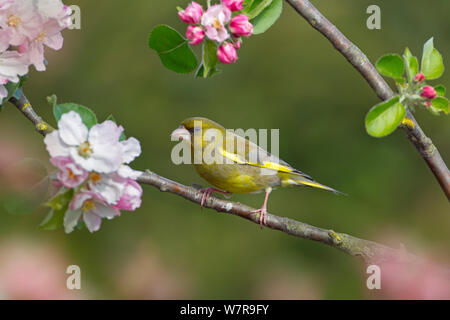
x: 358, y: 59
x: 369, y: 251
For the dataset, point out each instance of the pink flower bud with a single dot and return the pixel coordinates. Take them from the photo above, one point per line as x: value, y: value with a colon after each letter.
x: 196, y: 34
x: 428, y: 92
x: 428, y: 103
x: 227, y: 53
x: 234, y: 5
x: 237, y: 44
x: 419, y: 77
x: 192, y: 14
x: 241, y: 26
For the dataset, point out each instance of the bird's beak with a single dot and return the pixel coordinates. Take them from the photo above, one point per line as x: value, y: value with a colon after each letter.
x: 181, y: 133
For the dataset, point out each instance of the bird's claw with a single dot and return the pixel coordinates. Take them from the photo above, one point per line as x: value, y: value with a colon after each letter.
x: 262, y: 216
x: 206, y: 193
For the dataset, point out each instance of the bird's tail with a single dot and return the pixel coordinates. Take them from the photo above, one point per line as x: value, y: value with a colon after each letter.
x: 307, y: 181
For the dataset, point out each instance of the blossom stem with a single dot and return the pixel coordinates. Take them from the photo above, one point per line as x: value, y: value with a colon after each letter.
x: 27, y: 110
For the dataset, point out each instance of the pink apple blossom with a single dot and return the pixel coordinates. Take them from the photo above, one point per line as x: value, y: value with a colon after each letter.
x: 240, y: 26
x: 131, y: 197
x: 91, y: 207
x: 21, y: 20
x: 227, y: 53
x: 428, y: 92
x: 196, y: 34
x: 54, y: 17
x: 192, y: 14
x: 70, y: 174
x: 214, y: 20
x: 234, y: 5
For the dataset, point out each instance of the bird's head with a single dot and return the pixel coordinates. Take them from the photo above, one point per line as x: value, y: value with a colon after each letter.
x: 190, y: 126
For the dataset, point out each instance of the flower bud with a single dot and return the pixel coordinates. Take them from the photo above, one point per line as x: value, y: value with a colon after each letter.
x: 419, y: 77
x: 428, y: 92
x: 237, y: 44
x: 227, y: 53
x: 192, y: 14
x: 241, y: 26
x: 196, y: 34
x: 234, y: 5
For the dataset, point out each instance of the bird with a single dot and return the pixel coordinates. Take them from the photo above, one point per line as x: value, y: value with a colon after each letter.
x: 233, y: 164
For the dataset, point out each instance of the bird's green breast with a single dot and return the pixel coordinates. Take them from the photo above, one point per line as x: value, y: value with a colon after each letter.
x: 237, y: 178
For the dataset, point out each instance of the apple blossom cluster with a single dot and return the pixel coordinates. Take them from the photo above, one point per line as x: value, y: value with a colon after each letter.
x: 94, y: 162
x: 218, y: 24
x: 26, y: 26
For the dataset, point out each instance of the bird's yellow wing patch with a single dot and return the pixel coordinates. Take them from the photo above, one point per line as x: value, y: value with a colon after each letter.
x: 266, y: 164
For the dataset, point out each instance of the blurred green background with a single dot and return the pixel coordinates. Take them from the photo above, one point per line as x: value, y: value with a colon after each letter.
x: 288, y: 78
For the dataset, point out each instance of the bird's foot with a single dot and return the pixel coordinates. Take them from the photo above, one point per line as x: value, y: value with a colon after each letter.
x: 262, y: 215
x: 206, y: 193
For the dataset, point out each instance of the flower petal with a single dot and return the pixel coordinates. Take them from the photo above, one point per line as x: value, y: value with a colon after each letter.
x: 93, y: 221
x: 71, y: 220
x: 105, y: 133
x: 131, y: 149
x: 79, y: 199
x: 55, y: 146
x: 126, y: 172
x: 72, y: 129
x: 104, y: 159
x: 108, y: 189
x: 105, y: 211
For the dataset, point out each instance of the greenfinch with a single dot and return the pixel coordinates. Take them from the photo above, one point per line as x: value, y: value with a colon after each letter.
x: 234, y: 164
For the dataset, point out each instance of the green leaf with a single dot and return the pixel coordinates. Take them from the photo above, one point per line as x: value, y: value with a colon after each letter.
x: 87, y: 115
x: 58, y: 207
x: 53, y: 220
x: 11, y: 87
x: 263, y: 21
x: 411, y: 63
x: 385, y: 117
x: 432, y: 64
x: 209, y: 60
x: 440, y: 90
x: 391, y: 65
x: 113, y: 119
x: 253, y: 8
x: 172, y: 49
x: 441, y: 104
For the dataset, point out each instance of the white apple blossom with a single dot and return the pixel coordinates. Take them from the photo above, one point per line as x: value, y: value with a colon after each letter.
x: 96, y: 150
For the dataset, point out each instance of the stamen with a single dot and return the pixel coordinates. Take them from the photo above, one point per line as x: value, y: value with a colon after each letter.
x: 85, y: 150
x: 88, y: 205
x: 14, y: 21
x: 217, y: 24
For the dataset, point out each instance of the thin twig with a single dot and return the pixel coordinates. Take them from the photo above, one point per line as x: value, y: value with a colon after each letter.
x: 369, y: 251
x: 358, y: 59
